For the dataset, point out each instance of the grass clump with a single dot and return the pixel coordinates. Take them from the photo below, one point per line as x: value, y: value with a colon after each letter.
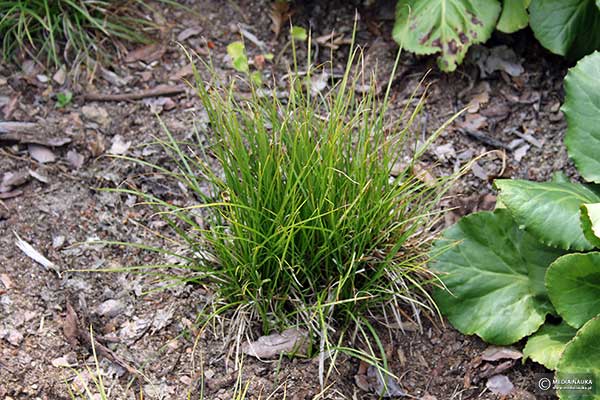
x: 313, y: 211
x: 50, y: 30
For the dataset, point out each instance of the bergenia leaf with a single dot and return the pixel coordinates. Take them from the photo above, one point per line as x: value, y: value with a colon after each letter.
x: 547, y: 345
x: 582, y: 111
x: 494, y: 273
x: 566, y: 27
x: 514, y: 16
x: 580, y: 358
x: 549, y: 210
x: 573, y: 283
x: 590, y: 222
x: 446, y: 26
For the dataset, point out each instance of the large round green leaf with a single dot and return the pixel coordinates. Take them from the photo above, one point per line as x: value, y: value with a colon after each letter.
x: 581, y: 357
x: 582, y: 111
x: 549, y: 210
x: 494, y: 273
x: 546, y: 345
x: 590, y: 222
x: 566, y: 27
x: 446, y: 26
x: 514, y: 16
x: 573, y: 283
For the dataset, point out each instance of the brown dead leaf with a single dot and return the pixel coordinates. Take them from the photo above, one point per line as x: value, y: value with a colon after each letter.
x: 95, y: 143
x: 500, y: 384
x: 60, y: 75
x: 119, y: 145
x: 272, y: 346
x: 71, y: 326
x: 188, y: 33
x: 147, y: 53
x: 96, y: 114
x: 13, y: 179
x: 473, y: 122
x: 39, y: 175
x: 280, y: 13
x: 423, y: 174
x: 481, y: 96
x: 41, y: 154
x: 184, y: 71
x: 479, y: 171
x: 370, y: 379
x: 259, y: 61
x: 11, y: 106
x: 495, y: 353
x: 521, y: 152
x: 75, y: 159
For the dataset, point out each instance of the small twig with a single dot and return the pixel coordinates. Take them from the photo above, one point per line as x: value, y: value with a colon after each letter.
x: 485, y: 139
x: 154, y: 92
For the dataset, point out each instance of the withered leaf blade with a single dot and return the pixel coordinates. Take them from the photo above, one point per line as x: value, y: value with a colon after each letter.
x: 495, y: 353
x: 41, y: 154
x: 71, y: 326
x: 290, y: 341
x: 500, y: 384
x: 35, y: 255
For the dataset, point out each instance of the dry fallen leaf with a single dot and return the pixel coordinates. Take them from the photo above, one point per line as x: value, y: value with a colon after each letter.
x: 95, y: 143
x: 184, y: 71
x: 500, y: 384
x: 39, y: 176
x: 35, y: 255
x: 521, y: 152
x: 75, y: 159
x: 112, y: 77
x: 60, y: 75
x: 272, y: 346
x: 11, y: 180
x: 495, y: 353
x: 188, y: 33
x: 148, y: 53
x: 62, y: 362
x: 41, y: 154
x: 387, y: 388
x: 424, y: 174
x: 71, y: 326
x: 479, y: 172
x: 473, y: 122
x: 119, y: 145
x: 96, y: 114
x: 477, y: 101
x: 280, y: 13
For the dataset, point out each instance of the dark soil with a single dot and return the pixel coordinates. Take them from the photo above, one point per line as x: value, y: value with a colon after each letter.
x: 60, y: 212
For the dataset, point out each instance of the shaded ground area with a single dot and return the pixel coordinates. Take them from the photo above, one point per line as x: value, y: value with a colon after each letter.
x: 51, y: 203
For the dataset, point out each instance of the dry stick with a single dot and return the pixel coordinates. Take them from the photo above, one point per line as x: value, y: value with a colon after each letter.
x: 485, y: 139
x: 155, y: 92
